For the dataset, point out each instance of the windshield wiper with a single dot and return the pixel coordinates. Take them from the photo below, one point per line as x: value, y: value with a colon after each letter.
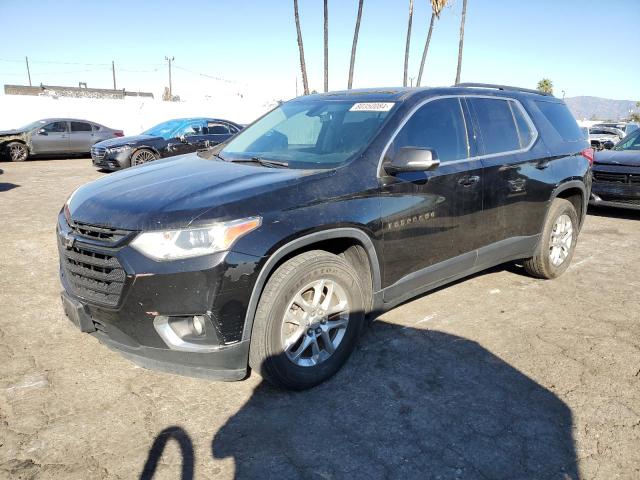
x: 263, y: 161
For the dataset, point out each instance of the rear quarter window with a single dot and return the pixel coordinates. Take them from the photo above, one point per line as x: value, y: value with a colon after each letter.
x: 561, y: 119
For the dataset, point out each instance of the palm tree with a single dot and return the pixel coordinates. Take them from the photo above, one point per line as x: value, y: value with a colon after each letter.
x: 545, y: 85
x: 303, y: 66
x: 464, y: 14
x: 326, y: 46
x: 353, y: 45
x: 406, y: 50
x: 436, y: 8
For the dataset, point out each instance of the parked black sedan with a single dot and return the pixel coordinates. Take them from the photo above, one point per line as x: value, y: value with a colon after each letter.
x: 173, y: 137
x: 616, y: 174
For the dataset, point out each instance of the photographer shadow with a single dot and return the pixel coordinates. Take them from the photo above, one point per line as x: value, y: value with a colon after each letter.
x: 410, y: 403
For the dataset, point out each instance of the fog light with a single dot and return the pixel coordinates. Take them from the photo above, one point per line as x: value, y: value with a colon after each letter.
x: 197, y: 324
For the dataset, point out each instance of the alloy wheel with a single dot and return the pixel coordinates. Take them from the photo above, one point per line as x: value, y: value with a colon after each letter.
x: 143, y: 156
x: 18, y: 152
x: 315, y: 322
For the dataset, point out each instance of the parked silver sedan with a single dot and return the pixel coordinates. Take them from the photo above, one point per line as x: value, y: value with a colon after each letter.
x: 54, y: 136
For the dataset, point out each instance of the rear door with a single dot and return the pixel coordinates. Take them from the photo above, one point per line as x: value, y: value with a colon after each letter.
x: 81, y: 137
x: 51, y: 138
x: 514, y: 161
x: 432, y: 220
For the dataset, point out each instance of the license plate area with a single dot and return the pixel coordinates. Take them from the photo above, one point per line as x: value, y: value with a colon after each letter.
x: 77, y: 314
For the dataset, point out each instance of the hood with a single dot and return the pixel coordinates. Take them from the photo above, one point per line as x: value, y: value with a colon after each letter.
x: 133, y: 140
x: 613, y: 157
x: 184, y: 190
x: 6, y: 133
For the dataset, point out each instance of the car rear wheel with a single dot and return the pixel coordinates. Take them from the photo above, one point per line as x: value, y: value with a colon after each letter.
x: 308, y: 320
x: 18, y: 152
x: 558, y: 241
x: 142, y: 156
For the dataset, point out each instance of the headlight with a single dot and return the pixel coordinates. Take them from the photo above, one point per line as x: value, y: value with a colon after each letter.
x: 193, y: 242
x: 123, y: 148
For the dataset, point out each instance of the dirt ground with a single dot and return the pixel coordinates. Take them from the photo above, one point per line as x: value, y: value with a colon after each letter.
x: 497, y: 376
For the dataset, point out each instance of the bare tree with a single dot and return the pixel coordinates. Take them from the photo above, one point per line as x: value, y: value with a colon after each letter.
x: 326, y: 46
x: 354, y: 44
x: 303, y: 66
x: 406, y: 49
x: 436, y: 8
x: 464, y: 14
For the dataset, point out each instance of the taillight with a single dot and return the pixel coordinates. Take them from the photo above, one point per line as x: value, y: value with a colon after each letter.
x: 588, y: 153
x: 118, y: 134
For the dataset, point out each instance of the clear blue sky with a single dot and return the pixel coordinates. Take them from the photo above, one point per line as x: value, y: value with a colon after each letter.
x: 586, y: 47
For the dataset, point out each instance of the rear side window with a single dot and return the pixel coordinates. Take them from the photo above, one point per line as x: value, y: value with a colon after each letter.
x: 502, y: 125
x: 80, y: 127
x: 438, y: 125
x: 563, y: 122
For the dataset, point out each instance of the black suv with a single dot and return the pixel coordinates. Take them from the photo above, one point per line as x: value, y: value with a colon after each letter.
x: 270, y: 251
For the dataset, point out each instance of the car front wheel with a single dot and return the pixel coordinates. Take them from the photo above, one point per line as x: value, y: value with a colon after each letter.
x: 308, y: 320
x: 18, y: 152
x: 142, y: 156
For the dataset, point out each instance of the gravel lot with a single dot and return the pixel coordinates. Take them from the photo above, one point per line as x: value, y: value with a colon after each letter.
x: 497, y: 376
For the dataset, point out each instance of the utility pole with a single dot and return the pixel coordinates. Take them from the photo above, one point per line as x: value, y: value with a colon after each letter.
x: 26, y: 59
x: 113, y: 71
x: 170, y: 90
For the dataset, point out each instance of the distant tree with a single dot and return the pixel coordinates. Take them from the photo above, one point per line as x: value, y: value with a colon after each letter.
x: 354, y: 44
x: 303, y: 65
x: 462, y: 20
x: 406, y: 48
x: 545, y: 85
x: 326, y: 46
x: 635, y: 116
x: 436, y: 8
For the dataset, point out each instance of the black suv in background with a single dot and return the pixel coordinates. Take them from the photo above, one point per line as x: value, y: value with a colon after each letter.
x: 270, y: 250
x: 167, y: 139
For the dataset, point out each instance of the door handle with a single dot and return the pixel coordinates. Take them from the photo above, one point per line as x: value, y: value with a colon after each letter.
x: 469, y: 180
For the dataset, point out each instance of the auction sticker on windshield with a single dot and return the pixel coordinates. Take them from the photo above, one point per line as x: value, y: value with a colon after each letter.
x: 372, y: 107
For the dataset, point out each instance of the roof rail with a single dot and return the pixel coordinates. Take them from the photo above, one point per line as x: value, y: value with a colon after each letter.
x: 503, y: 87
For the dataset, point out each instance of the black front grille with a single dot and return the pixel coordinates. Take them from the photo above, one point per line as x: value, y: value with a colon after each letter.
x: 92, y: 275
x: 94, y: 232
x: 610, y: 177
x: 97, y: 153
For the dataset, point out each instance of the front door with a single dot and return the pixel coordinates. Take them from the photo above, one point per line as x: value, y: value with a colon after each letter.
x: 52, y: 138
x: 431, y: 220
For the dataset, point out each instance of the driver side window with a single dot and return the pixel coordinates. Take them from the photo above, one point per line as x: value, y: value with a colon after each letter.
x: 56, y: 127
x: 190, y: 130
x: 438, y: 125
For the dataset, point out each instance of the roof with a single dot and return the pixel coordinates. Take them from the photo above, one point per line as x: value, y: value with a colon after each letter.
x: 399, y: 94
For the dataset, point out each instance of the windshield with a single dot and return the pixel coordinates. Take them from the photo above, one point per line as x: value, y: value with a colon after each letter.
x: 165, y: 130
x: 630, y: 142
x: 310, y: 134
x: 36, y: 124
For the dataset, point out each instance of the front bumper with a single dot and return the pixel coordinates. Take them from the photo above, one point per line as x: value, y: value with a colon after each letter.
x: 216, y: 288
x: 616, y: 186
x: 111, y: 161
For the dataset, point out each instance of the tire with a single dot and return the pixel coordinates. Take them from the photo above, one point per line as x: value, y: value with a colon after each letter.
x: 555, y: 250
x: 18, y: 151
x: 141, y: 156
x: 275, y: 353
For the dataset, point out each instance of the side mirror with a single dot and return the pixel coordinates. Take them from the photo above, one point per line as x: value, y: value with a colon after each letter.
x: 42, y: 131
x: 608, y: 145
x: 413, y: 159
x: 183, y: 139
